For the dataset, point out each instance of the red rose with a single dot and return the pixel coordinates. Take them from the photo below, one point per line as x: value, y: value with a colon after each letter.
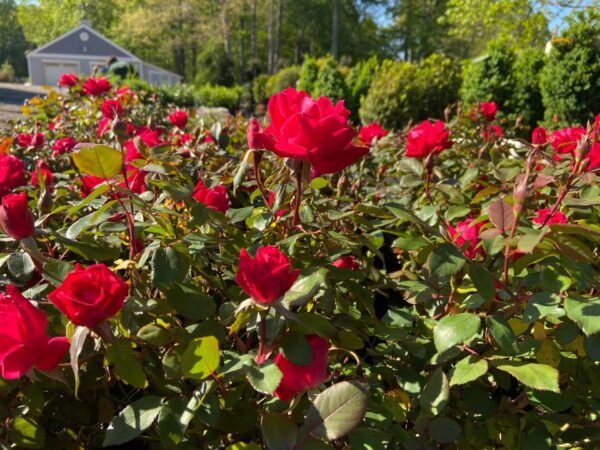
x: 42, y: 173
x: 312, y: 130
x: 492, y: 133
x: 111, y: 108
x: 488, y: 110
x: 96, y: 86
x: 346, y: 262
x: 214, y: 198
x: 68, y: 80
x: 63, y: 145
x: 541, y: 216
x: 267, y: 276
x: 89, y: 184
x: 150, y: 137
x: 136, y: 180
x: 23, y: 340
x: 257, y: 138
x: 566, y: 140
x: 427, y: 138
x: 593, y: 156
x: 368, y: 133
x: 12, y: 172
x: 297, y: 378
x: 103, y: 126
x: 131, y: 152
x: 90, y: 296
x: 26, y: 140
x: 179, y: 119
x: 466, y: 234
x: 15, y: 218
x: 539, y: 136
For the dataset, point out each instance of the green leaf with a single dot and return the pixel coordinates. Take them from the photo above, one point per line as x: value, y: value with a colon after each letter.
x: 189, y: 301
x: 337, y: 410
x: 154, y: 335
x: 169, y: 265
x: 502, y: 334
x: 265, y: 378
x: 127, y: 366
x: 279, y: 432
x: 445, y: 260
x: 20, y: 265
x: 434, y: 396
x: 89, y: 221
x: 468, y: 369
x: 455, y: 329
x: 55, y: 270
x: 99, y: 161
x: 296, y: 349
x: 444, y: 430
x: 26, y: 433
x: 540, y: 305
x: 304, y: 289
x: 533, y: 375
x: 201, y: 358
x: 319, y: 183
x: 585, y: 312
x: 241, y: 172
x: 132, y: 421
x: 483, y: 281
x: 77, y: 341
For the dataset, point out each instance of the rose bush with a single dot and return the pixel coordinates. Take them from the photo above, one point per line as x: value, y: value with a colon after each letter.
x: 287, y: 283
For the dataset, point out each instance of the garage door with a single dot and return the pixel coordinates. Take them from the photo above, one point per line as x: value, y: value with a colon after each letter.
x: 53, y: 70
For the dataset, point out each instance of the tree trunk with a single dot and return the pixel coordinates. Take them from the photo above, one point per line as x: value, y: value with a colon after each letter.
x: 278, y: 37
x: 298, y: 46
x: 242, y: 54
x: 271, y: 43
x: 225, y: 30
x: 253, y: 49
x: 335, y: 29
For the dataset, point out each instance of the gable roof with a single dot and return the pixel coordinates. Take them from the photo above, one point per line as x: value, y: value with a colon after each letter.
x: 105, y: 46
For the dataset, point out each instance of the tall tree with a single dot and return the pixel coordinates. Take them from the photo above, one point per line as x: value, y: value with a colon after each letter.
x: 12, y: 40
x: 335, y: 29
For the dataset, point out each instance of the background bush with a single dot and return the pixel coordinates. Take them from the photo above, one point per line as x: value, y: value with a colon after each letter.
x: 330, y: 81
x: 281, y: 80
x: 570, y: 81
x: 527, y: 97
x: 227, y: 97
x: 403, y: 91
x: 359, y: 81
x: 259, y: 88
x: 308, y: 74
x: 7, y: 73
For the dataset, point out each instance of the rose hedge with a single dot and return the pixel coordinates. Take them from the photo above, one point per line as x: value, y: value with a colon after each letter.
x: 220, y: 296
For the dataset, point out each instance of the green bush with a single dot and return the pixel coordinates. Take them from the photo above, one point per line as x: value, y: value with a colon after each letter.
x: 281, y: 80
x: 7, y: 73
x: 491, y: 77
x: 212, y: 95
x: 527, y: 98
x: 570, y: 80
x: 308, y: 75
x: 402, y: 91
x: 330, y: 81
x: 359, y: 81
x: 259, y: 88
x: 213, y: 66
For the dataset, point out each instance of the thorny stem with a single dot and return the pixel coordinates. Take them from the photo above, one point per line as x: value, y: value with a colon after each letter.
x: 298, y: 199
x: 257, y: 158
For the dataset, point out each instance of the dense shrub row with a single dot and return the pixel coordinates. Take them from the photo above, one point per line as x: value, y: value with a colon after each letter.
x: 294, y: 283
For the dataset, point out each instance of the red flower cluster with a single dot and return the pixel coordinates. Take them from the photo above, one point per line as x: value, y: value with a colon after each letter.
x: 23, y: 340
x: 68, y: 80
x: 427, y: 138
x: 267, y: 276
x: 27, y: 140
x: 312, y: 130
x: 372, y: 131
x: 488, y: 110
x: 90, y: 296
x: 63, y: 145
x: 541, y: 216
x: 214, y: 198
x: 179, y: 119
x: 96, y: 86
x: 111, y: 108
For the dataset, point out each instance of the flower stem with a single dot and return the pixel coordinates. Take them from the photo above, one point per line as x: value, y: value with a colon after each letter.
x: 298, y: 199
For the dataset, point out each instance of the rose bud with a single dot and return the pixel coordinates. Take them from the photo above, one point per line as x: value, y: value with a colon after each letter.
x: 24, y: 344
x: 297, y: 378
x: 427, y: 138
x: 179, y: 119
x: 214, y: 198
x: 348, y: 262
x: 267, y: 276
x: 90, y: 296
x: 257, y: 138
x: 15, y: 218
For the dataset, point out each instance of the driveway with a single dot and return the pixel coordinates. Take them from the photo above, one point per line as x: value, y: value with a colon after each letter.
x: 12, y: 96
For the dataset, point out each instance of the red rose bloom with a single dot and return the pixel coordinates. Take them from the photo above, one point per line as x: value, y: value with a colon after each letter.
x: 111, y: 108
x: 427, y: 138
x: 96, y: 86
x: 179, y: 119
x: 15, y: 218
x: 594, y: 157
x: 466, y: 237
x: 214, y: 198
x: 90, y: 296
x: 63, y: 145
x: 368, y: 133
x: 267, y: 276
x: 68, y: 80
x: 539, y: 136
x: 150, y: 138
x: 257, y: 138
x: 312, y: 130
x: 89, y: 184
x: 131, y: 152
x: 541, y: 216
x: 42, y: 173
x: 492, y: 133
x: 566, y: 140
x: 23, y: 340
x: 346, y: 262
x: 26, y: 140
x: 12, y: 172
x: 297, y: 378
x: 488, y: 110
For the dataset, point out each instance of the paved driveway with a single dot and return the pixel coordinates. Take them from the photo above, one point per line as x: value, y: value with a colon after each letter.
x: 12, y: 97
